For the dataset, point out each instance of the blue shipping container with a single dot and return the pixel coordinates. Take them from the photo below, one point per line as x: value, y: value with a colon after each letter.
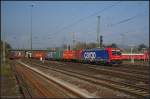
x: 49, y: 55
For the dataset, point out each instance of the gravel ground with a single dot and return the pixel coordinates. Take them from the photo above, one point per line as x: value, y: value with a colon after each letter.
x: 9, y: 87
x: 87, y: 87
x: 94, y: 90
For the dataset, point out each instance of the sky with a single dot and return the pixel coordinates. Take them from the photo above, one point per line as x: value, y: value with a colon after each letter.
x: 54, y: 22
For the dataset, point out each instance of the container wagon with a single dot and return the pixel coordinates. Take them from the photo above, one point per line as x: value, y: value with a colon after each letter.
x: 49, y: 56
x: 68, y: 55
x: 38, y: 55
x: 54, y: 55
x: 16, y: 55
x: 72, y: 55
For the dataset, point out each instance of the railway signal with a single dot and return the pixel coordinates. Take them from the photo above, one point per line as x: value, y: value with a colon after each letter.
x: 101, y: 41
x: 98, y: 31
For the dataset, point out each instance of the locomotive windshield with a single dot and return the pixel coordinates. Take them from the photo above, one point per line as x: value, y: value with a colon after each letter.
x: 116, y: 53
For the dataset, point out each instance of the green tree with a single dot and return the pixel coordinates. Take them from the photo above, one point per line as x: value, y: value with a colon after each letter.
x: 113, y: 45
x: 141, y: 46
x: 91, y: 45
x: 80, y: 45
x: 7, y: 47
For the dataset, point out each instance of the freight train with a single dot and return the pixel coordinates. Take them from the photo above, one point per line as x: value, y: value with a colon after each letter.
x: 96, y: 55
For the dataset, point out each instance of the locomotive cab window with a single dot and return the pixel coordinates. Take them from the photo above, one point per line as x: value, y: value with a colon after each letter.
x: 116, y: 53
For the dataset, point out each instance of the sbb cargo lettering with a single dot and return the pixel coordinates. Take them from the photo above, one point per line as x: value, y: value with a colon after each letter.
x: 89, y: 55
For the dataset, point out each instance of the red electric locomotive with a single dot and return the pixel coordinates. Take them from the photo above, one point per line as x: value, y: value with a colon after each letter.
x: 114, y: 55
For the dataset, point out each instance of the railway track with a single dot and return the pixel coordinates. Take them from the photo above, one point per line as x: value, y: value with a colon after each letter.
x: 143, y: 70
x: 41, y: 89
x: 32, y: 81
x: 123, y: 76
x: 24, y: 90
x: 121, y: 73
x: 137, y: 67
x: 140, y: 71
x: 124, y: 87
x: 120, y: 68
x: 127, y: 73
x: 141, y: 63
x: 136, y: 77
x: 132, y: 71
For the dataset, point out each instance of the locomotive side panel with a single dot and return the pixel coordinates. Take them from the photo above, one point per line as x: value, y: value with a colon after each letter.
x: 95, y: 55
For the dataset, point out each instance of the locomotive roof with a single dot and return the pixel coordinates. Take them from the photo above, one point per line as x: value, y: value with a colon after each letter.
x: 94, y: 49
x: 113, y: 49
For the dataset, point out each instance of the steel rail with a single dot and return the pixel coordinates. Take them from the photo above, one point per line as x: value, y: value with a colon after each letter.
x: 25, y: 93
x: 67, y: 86
x: 135, y: 77
x: 106, y: 82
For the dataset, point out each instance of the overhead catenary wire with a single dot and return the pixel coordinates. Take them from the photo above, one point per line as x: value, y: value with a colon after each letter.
x: 123, y: 35
x: 82, y: 19
x: 129, y: 32
x: 85, y: 18
x: 126, y: 20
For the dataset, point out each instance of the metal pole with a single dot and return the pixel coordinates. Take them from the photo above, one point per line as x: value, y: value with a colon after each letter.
x: 4, y: 49
x: 98, y: 31
x: 31, y: 27
x: 73, y: 40
x: 63, y: 43
x: 132, y: 59
x: 144, y: 54
x: 131, y: 55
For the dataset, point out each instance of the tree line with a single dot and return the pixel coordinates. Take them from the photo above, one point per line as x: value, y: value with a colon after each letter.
x: 7, y: 48
x: 83, y: 45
